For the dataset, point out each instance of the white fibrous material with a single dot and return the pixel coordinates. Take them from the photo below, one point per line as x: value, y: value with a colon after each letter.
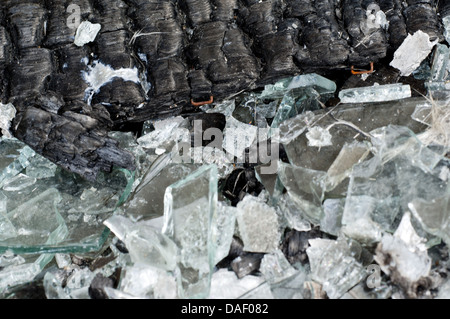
x: 7, y: 114
x: 100, y: 74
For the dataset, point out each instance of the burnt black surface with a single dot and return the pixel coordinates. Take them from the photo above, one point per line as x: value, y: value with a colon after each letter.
x: 188, y: 50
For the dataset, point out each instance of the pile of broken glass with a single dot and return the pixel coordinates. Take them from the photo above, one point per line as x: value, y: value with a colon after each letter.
x: 289, y: 200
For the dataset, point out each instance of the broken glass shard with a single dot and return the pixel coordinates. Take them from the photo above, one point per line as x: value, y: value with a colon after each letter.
x: 189, y: 211
x: 145, y: 245
x: 363, y: 119
x: 349, y: 155
x: 306, y: 189
x: 142, y: 281
x: 166, y: 135
x: 237, y: 137
x: 258, y: 225
x: 440, y: 64
x: 293, y: 216
x: 226, y: 285
x: 331, y: 221
x: 147, y: 200
x: 292, y: 287
x: 414, y: 49
x: 223, y: 230
x: 275, y: 267
x: 315, y: 81
x: 334, y: 266
x: 376, y: 93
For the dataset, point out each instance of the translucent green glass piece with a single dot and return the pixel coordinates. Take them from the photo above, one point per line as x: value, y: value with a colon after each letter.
x: 373, y: 194
x: 258, y: 225
x: 378, y: 93
x: 294, y: 103
x: 315, y: 81
x: 15, y: 157
x: 439, y: 67
x: 36, y: 210
x: 40, y: 167
x: 190, y: 207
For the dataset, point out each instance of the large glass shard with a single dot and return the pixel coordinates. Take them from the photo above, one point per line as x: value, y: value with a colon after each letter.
x: 189, y: 210
x: 349, y: 155
x: 334, y: 264
x: 292, y: 104
x: 14, y: 158
x: 292, y: 214
x: 147, y: 200
x: 372, y: 195
x: 145, y: 245
x: 377, y: 93
x: 315, y: 81
x: 258, y: 225
x: 306, y: 189
x: 351, y: 120
x: 292, y: 287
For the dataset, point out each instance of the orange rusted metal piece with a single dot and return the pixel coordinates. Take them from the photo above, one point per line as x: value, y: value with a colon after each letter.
x: 211, y: 100
x: 363, y: 71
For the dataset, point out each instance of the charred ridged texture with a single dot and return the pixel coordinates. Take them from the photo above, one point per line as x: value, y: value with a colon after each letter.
x: 323, y: 40
x: 421, y: 15
x: 160, y: 42
x: 220, y: 53
x: 397, y: 31
x: 367, y: 37
x: 444, y: 8
x: 275, y: 47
